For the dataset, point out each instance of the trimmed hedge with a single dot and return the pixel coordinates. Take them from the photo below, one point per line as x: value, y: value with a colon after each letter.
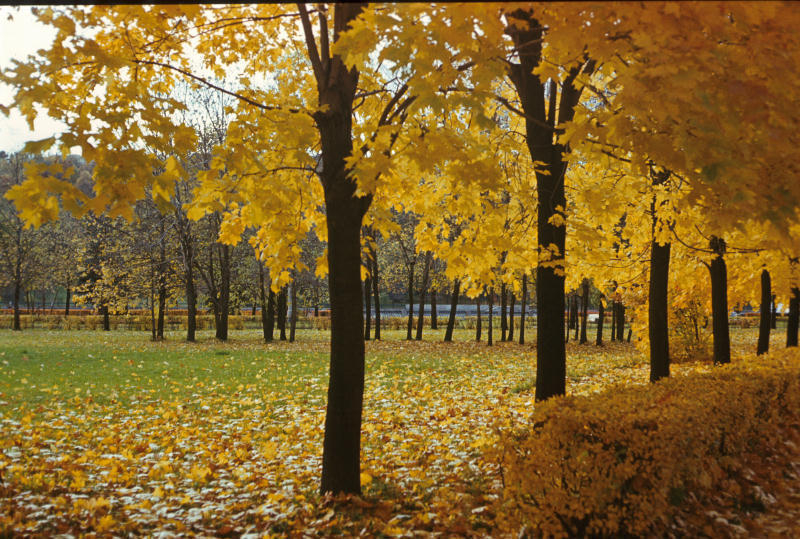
x: 620, y: 462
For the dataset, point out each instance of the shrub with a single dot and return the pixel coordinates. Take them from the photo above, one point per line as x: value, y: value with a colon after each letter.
x: 617, y: 463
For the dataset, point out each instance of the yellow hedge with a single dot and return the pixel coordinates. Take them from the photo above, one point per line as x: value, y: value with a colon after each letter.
x: 619, y: 463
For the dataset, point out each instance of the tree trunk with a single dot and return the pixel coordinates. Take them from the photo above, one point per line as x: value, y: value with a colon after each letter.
x: 568, y: 321
x: 585, y: 311
x: 224, y: 292
x: 658, y: 305
x: 344, y: 213
x: 191, y: 298
x: 766, y: 313
x: 269, y: 329
x: 774, y: 318
x: 66, y: 302
x: 434, y: 314
x: 478, y: 322
x: 367, y: 307
x: 490, y: 328
x: 293, y: 320
x: 503, y: 315
x: 451, y: 319
x: 17, y: 291
x: 106, y: 318
x: 523, y: 306
x: 613, y: 320
x: 600, y: 319
x: 511, y: 301
x: 719, y: 303
x: 410, y: 302
x: 620, y: 321
x: 162, y: 307
x: 423, y: 290
x: 376, y: 295
x: 283, y: 307
x: 793, y: 322
x: 263, y: 297
x: 576, y: 313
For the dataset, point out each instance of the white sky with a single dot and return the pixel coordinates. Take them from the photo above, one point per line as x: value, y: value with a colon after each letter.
x: 19, y: 38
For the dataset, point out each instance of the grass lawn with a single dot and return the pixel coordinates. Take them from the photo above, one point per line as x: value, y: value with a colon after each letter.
x: 112, y: 432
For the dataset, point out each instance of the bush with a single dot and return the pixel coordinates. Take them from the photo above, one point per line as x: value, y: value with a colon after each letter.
x: 618, y: 463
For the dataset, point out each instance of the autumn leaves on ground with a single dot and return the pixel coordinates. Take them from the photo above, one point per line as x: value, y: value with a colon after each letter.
x: 112, y: 433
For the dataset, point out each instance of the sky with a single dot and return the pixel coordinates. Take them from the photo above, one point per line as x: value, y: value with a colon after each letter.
x: 19, y: 38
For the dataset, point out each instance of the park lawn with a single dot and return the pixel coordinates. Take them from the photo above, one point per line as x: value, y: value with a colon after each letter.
x: 112, y: 432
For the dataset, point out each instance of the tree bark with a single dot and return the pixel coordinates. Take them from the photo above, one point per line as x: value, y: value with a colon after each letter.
x: 17, y: 290
x: 584, y: 311
x: 162, y: 307
x: 106, y: 318
x: 600, y: 319
x: 367, y: 307
x: 490, y: 328
x: 774, y: 318
x: 283, y: 308
x: 263, y: 297
x: 451, y: 319
x: 66, y: 302
x: 568, y: 320
x: 293, y: 320
x: 613, y: 320
x: 224, y: 292
x: 410, y: 302
x: 478, y: 322
x: 766, y: 314
x: 658, y: 304
x: 523, y: 306
x: 269, y: 329
x: 191, y: 299
x: 434, y: 314
x: 503, y: 314
x: 423, y: 290
x: 511, y: 301
x: 575, y: 312
x: 793, y: 322
x: 719, y: 303
x: 620, y: 321
x: 376, y: 294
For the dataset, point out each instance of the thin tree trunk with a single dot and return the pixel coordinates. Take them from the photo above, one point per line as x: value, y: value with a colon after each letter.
x: 600, y: 319
x: 224, y: 292
x: 106, y: 318
x: 434, y: 314
x: 523, y: 306
x: 162, y: 307
x: 451, y: 319
x: 293, y: 320
x: 503, y: 315
x: 283, y: 307
x: 613, y: 320
x: 376, y: 294
x: 263, y: 297
x: 17, y: 290
x: 766, y: 313
x: 423, y: 291
x: 511, y: 301
x: 793, y: 321
x: 575, y: 313
x: 269, y: 330
x: 584, y: 311
x: 410, y: 302
x: 774, y: 318
x: 719, y: 303
x: 478, y: 322
x: 490, y: 331
x: 367, y: 307
x: 66, y: 302
x: 568, y: 319
x: 658, y: 304
x: 620, y: 321
x: 191, y: 296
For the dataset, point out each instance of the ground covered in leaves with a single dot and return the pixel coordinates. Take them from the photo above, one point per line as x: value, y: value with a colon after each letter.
x: 108, y: 432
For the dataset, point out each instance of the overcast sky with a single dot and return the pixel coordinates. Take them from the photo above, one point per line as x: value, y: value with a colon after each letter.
x: 19, y: 38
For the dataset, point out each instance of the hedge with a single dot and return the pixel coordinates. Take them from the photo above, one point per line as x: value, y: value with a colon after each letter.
x: 620, y: 463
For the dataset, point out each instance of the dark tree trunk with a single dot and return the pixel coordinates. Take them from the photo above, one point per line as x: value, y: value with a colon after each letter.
x: 511, y: 301
x: 490, y: 328
x: 620, y: 321
x: 585, y: 312
x: 719, y: 303
x: 576, y: 315
x: 262, y: 294
x: 106, y: 318
x: 766, y: 313
x: 367, y: 307
x: 523, y: 306
x: 224, y: 292
x: 283, y: 307
x: 162, y: 307
x: 503, y: 315
x: 66, y: 302
x: 293, y: 321
x: 479, y: 320
x: 376, y: 295
x: 774, y: 318
x: 344, y: 213
x: 451, y: 319
x: 613, y: 320
x: 191, y: 300
x: 658, y: 304
x: 434, y: 314
x: 269, y: 329
x: 423, y: 290
x: 17, y: 291
x: 600, y: 319
x: 410, y: 302
x: 793, y: 322
x: 568, y: 320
